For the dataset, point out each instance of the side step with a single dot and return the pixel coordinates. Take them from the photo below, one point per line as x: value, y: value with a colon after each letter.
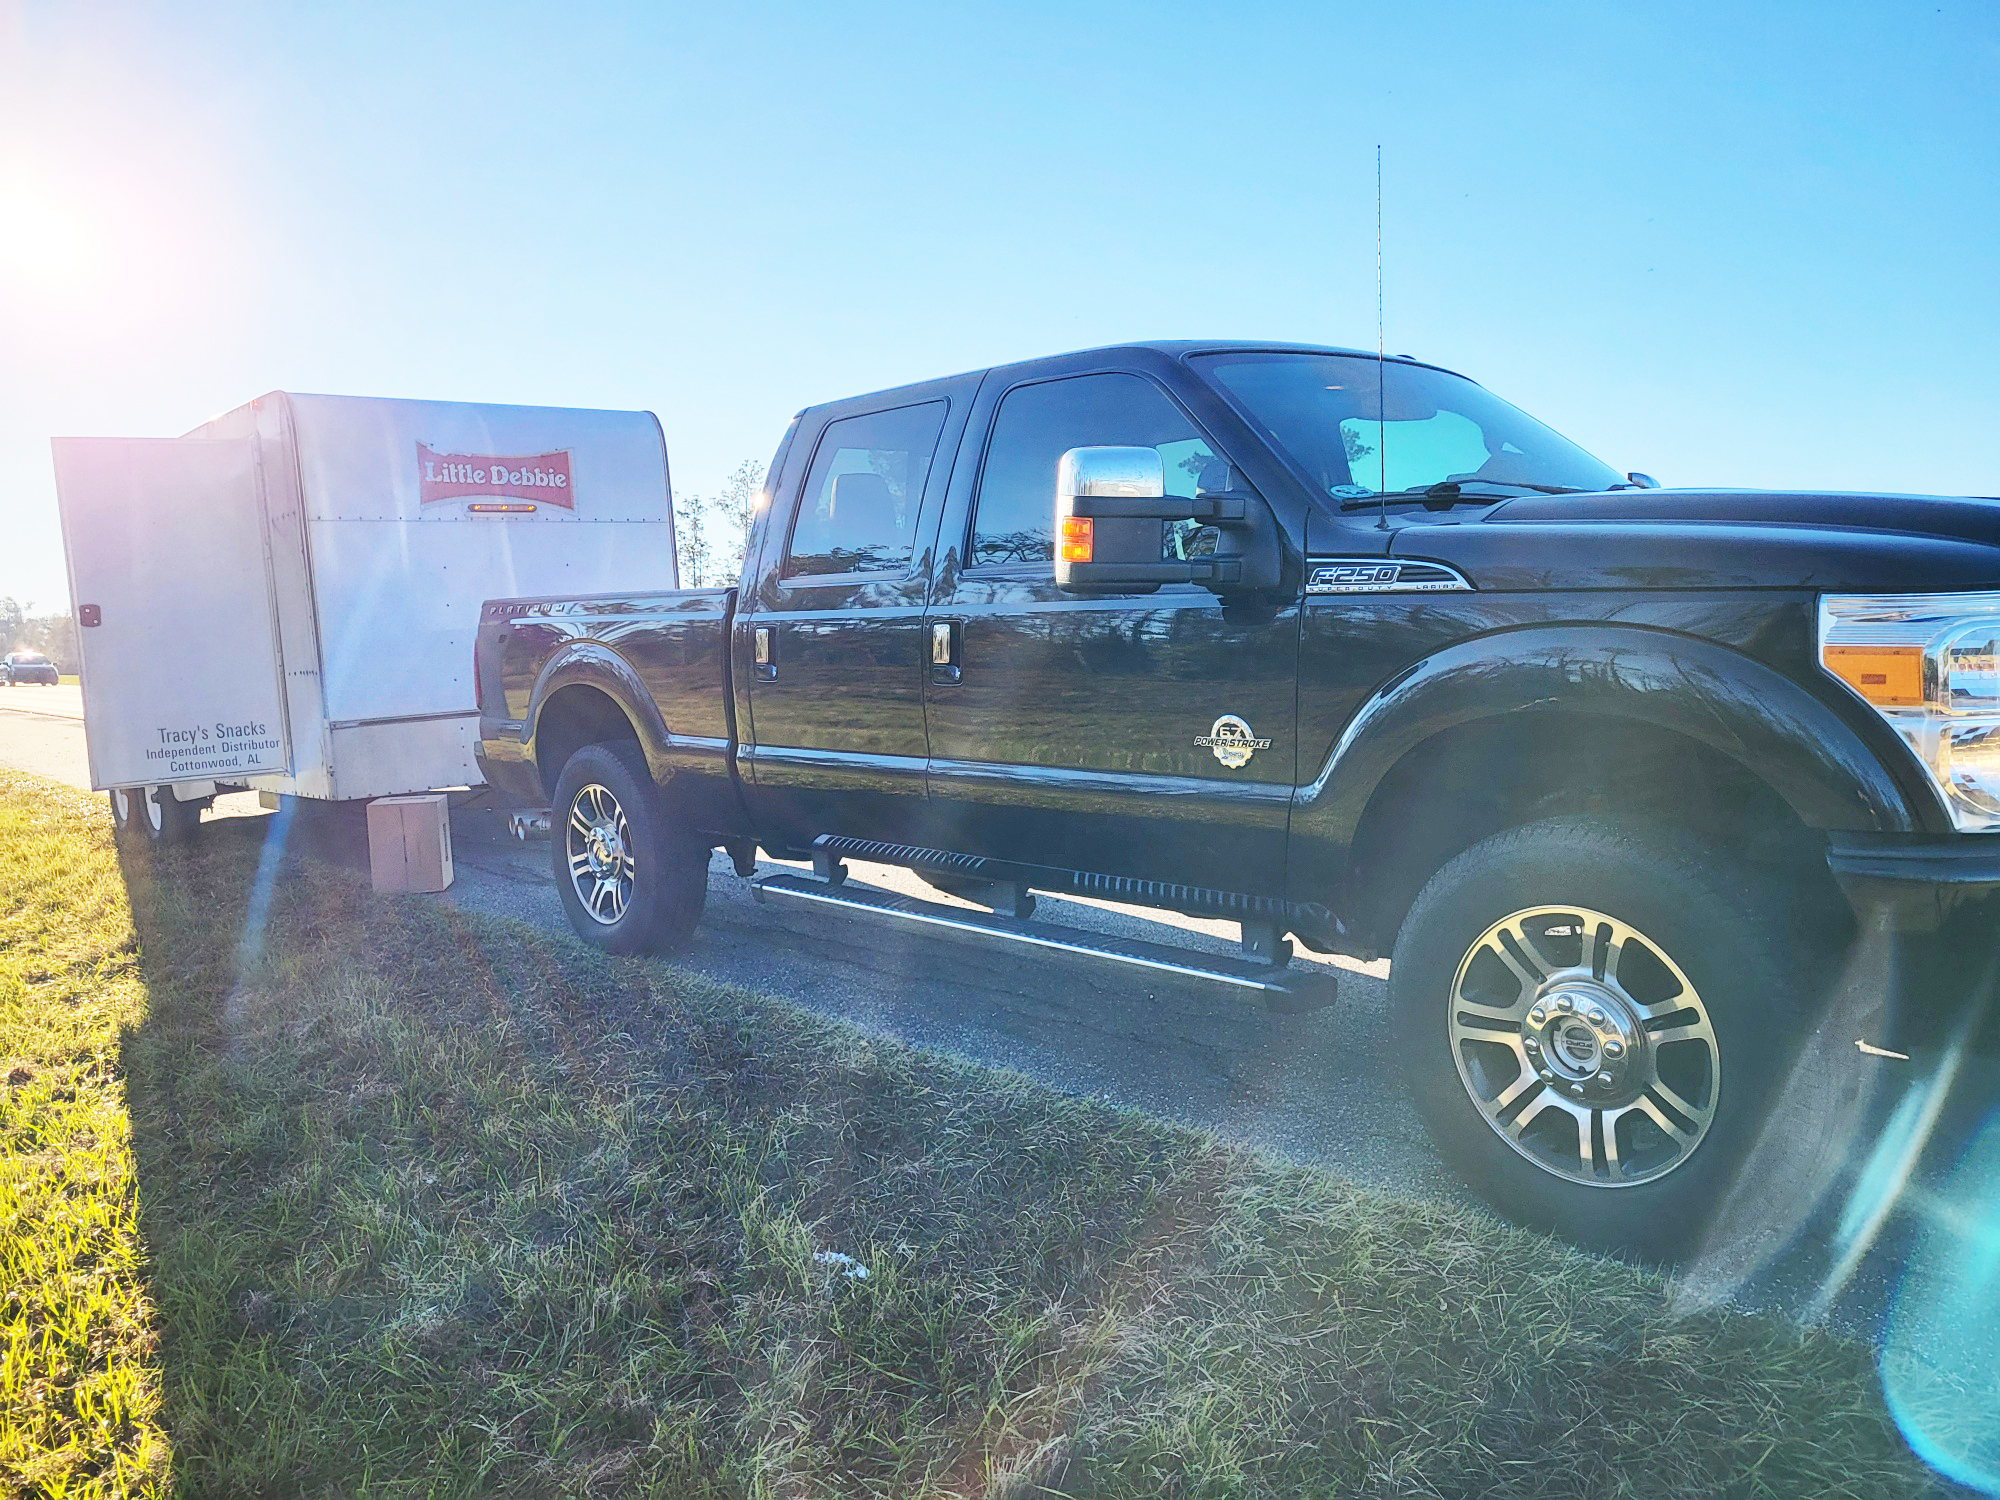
x: 1193, y: 900
x: 1282, y: 989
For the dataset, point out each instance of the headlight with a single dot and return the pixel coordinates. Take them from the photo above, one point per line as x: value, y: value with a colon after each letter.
x: 1930, y: 665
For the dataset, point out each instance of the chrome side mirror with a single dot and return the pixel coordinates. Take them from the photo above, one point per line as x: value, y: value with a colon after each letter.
x: 1112, y: 507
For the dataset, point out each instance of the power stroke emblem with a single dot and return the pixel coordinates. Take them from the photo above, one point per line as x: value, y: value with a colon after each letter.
x: 1372, y: 576
x: 1231, y: 740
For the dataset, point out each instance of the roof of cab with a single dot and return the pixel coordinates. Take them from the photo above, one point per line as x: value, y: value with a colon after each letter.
x: 1172, y: 348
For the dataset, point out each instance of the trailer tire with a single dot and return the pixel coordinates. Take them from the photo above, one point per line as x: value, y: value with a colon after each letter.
x: 125, y: 814
x: 631, y: 881
x: 162, y: 818
x: 1649, y: 980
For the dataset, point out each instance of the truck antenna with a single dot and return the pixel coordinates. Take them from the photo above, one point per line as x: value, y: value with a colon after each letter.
x: 1381, y: 368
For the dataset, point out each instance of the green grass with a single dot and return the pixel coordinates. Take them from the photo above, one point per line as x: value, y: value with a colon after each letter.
x: 433, y: 1205
x: 79, y: 1368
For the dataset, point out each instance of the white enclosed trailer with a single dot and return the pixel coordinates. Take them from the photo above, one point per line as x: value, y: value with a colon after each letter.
x: 286, y: 598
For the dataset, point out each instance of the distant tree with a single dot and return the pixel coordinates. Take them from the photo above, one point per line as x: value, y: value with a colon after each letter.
x: 691, y: 535
x: 13, y: 623
x: 714, y: 530
x: 1027, y: 546
x: 737, y: 507
x: 1356, y: 449
x: 58, y: 641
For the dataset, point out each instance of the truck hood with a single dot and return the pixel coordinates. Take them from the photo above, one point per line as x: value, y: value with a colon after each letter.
x: 1714, y: 539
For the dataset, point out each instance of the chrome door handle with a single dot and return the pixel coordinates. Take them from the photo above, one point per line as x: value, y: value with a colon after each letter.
x: 764, y: 651
x: 947, y: 643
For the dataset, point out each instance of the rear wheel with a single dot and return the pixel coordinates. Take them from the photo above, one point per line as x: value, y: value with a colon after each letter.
x: 1590, y: 1017
x: 631, y: 881
x: 125, y: 814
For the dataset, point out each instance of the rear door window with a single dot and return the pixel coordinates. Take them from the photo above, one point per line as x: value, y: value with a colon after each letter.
x: 858, y: 508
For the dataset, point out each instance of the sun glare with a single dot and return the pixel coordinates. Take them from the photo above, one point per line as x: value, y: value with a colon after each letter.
x: 37, y: 238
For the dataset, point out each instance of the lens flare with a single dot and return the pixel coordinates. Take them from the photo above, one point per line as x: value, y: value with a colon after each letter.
x: 1940, y: 1361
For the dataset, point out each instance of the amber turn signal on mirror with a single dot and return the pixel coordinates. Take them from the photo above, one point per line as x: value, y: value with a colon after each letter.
x: 1076, y: 539
x: 1891, y: 676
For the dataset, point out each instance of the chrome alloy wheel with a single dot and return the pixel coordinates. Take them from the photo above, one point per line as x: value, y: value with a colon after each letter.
x: 1584, y: 1046
x: 602, y: 865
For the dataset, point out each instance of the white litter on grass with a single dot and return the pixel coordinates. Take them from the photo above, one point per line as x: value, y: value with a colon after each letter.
x: 847, y: 1265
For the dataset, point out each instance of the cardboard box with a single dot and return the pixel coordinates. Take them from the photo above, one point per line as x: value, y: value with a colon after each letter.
x: 409, y: 842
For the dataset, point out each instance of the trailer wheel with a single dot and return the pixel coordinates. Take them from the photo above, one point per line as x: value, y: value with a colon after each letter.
x: 631, y: 880
x: 124, y: 812
x: 1590, y: 1017
x: 162, y: 818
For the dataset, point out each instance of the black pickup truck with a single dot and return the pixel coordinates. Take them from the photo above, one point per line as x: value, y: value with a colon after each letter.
x: 1349, y: 651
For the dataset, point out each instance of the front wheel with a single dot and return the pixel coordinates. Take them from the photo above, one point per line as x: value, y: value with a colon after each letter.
x: 631, y: 880
x: 1590, y: 1017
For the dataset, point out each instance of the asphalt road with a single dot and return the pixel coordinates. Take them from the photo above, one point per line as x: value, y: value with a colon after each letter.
x: 1308, y: 1087
x: 1317, y: 1088
x: 41, y: 730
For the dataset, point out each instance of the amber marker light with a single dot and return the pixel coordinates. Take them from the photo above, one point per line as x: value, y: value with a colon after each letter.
x: 1076, y: 539
x: 1891, y: 676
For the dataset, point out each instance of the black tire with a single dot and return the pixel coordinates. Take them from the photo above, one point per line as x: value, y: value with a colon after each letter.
x: 1598, y: 1082
x: 662, y: 869
x: 162, y: 818
x: 125, y: 814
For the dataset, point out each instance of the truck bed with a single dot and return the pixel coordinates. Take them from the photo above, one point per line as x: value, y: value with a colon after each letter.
x: 662, y: 658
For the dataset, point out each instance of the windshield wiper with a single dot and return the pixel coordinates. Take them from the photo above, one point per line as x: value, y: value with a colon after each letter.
x: 1452, y: 490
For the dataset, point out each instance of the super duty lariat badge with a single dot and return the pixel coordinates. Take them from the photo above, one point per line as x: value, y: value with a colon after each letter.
x: 1343, y: 575
x: 1231, y: 740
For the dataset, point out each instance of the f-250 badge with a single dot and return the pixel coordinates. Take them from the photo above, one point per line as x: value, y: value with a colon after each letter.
x: 1231, y: 740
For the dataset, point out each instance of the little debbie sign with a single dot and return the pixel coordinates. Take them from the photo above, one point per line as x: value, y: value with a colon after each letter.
x: 542, y: 477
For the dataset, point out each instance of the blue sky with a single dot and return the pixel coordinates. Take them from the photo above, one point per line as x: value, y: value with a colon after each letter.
x: 1723, y: 243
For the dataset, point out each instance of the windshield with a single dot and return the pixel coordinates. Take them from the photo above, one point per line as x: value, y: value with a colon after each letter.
x: 1326, y: 412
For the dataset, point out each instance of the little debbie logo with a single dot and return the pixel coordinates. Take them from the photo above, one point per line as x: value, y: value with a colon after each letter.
x: 542, y: 477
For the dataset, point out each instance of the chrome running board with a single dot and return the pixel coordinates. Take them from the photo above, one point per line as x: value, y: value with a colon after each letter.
x: 1277, y: 986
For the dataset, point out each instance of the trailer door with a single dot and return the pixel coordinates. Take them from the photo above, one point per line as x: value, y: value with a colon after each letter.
x: 167, y: 573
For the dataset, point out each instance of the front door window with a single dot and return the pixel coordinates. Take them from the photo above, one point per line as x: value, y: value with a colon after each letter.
x: 1015, y: 517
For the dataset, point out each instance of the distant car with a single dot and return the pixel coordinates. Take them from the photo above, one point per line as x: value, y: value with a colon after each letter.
x: 28, y: 666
